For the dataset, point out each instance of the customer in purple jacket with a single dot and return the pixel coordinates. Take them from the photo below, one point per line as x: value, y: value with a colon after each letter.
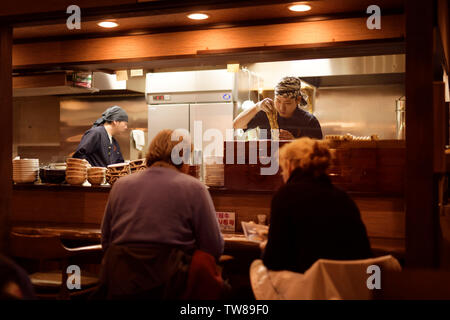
x: 162, y: 205
x: 154, y: 221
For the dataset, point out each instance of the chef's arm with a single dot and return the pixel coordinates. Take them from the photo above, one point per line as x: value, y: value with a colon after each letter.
x: 242, y: 120
x: 244, y: 117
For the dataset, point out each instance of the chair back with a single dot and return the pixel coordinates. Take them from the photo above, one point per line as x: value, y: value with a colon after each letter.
x: 324, y: 280
x: 32, y: 246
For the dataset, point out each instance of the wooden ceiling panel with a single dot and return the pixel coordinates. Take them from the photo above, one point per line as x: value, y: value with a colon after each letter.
x: 218, y: 18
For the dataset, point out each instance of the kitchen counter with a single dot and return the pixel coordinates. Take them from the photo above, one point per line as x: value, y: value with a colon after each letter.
x: 56, y: 206
x: 82, y: 234
x: 213, y: 190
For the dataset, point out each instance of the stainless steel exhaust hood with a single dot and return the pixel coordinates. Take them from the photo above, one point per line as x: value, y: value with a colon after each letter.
x: 102, y: 84
x: 349, y: 71
x: 371, y: 70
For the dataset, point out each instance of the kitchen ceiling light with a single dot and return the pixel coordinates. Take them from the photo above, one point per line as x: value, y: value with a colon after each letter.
x: 198, y: 16
x: 300, y: 7
x: 108, y: 24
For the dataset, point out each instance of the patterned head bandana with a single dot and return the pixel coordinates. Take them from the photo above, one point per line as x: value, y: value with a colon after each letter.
x: 290, y: 87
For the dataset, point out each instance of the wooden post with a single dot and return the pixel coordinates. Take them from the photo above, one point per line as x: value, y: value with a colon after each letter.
x: 421, y: 185
x: 5, y: 133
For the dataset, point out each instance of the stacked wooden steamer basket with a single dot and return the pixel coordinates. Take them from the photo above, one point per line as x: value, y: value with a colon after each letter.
x: 115, y: 171
x: 138, y: 165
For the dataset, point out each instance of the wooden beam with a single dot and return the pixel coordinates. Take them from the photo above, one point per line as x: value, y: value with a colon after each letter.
x: 444, y: 30
x: 41, y: 80
x: 439, y: 127
x: 31, y: 7
x: 421, y: 191
x: 6, y: 133
x: 190, y: 43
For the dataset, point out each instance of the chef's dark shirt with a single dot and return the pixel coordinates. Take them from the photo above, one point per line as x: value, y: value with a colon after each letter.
x: 96, y: 148
x: 300, y: 124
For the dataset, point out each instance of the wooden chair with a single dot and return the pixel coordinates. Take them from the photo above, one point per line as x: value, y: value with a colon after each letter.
x: 52, y: 285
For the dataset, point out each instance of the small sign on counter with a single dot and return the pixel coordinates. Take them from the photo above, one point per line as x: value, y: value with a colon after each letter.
x: 227, y: 221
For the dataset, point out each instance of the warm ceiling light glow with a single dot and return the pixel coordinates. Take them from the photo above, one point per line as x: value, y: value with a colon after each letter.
x: 300, y: 7
x: 108, y: 24
x: 198, y: 16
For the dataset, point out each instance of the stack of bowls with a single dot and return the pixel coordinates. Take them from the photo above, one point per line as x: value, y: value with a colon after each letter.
x: 76, y: 172
x: 96, y: 175
x: 25, y: 170
x: 115, y: 171
x: 137, y: 165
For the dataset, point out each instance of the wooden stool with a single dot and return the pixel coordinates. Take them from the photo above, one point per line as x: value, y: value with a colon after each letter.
x: 52, y: 285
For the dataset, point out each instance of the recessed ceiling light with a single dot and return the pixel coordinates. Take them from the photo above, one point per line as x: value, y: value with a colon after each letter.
x: 300, y: 7
x: 198, y: 16
x: 108, y: 24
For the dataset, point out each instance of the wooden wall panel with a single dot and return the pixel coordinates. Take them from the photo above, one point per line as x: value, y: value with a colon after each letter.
x: 444, y: 28
x: 65, y: 207
x: 153, y: 46
x: 439, y: 126
x: 36, y: 121
x: 421, y: 188
x: 384, y: 217
x: 35, y: 7
x: 38, y: 81
x: 6, y: 133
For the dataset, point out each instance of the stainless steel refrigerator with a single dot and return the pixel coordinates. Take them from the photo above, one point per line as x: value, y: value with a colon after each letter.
x: 179, y: 99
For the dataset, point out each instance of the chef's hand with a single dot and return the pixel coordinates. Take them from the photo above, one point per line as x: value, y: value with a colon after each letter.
x: 266, y: 105
x: 286, y: 135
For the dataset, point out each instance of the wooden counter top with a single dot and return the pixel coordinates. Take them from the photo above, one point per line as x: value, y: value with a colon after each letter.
x: 234, y: 242
x: 212, y: 190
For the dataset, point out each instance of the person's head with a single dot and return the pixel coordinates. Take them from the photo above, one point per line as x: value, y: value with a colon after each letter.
x: 288, y: 96
x: 311, y: 156
x: 160, y: 151
x: 116, y: 118
x: 117, y: 127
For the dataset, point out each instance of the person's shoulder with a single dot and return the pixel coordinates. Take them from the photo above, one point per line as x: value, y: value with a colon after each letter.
x: 259, y: 117
x: 285, y: 193
x: 125, y: 182
x: 94, y: 131
x: 303, y: 114
x: 97, y: 130
x: 190, y: 181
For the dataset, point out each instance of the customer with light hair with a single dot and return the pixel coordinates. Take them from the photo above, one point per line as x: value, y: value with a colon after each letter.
x: 311, y: 218
x: 153, y: 222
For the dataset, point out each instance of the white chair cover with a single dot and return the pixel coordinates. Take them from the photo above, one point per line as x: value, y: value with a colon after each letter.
x: 325, y: 280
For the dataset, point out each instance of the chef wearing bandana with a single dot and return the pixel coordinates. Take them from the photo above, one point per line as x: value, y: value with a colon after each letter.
x: 98, y: 145
x: 293, y: 121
